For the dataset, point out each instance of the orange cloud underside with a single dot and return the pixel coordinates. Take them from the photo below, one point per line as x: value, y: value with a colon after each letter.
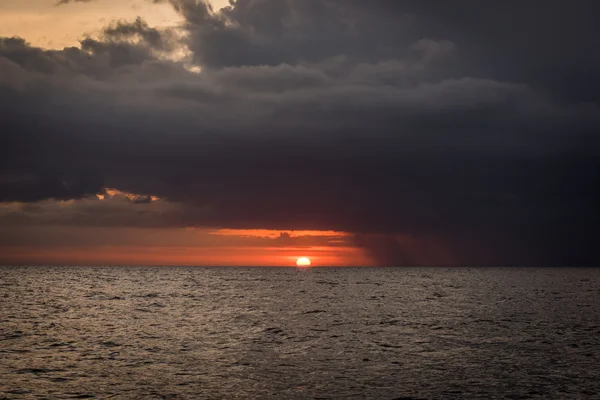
x: 184, y: 256
x: 272, y: 234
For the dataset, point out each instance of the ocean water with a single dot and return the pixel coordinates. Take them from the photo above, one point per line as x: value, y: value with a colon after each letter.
x: 285, y: 333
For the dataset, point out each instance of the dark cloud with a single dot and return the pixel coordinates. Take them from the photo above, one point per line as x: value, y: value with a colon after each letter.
x: 43, y: 186
x: 123, y: 30
x: 553, y: 45
x: 437, y: 135
x: 274, y: 32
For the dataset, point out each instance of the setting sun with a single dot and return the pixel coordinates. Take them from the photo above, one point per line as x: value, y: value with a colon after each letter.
x: 303, y: 262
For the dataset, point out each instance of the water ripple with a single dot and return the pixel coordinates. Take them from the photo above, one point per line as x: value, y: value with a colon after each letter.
x: 241, y: 333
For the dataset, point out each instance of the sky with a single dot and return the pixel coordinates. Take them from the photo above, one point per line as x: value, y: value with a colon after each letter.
x: 254, y: 132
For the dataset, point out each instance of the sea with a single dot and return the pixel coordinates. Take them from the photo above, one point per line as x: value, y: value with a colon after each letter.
x: 287, y: 333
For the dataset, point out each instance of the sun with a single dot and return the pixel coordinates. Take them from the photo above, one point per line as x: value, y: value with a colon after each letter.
x: 303, y: 262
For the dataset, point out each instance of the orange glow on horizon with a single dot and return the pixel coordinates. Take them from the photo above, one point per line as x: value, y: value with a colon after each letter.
x: 182, y: 256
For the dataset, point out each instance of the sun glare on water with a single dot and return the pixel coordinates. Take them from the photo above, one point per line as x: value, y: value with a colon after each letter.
x: 303, y: 262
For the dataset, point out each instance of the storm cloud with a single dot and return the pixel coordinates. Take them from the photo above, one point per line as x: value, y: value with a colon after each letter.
x: 437, y: 134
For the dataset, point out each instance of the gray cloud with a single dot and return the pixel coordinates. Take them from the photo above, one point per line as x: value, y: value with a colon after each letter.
x: 155, y: 38
x: 379, y: 118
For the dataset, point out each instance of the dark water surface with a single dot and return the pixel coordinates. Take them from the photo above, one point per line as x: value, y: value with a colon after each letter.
x: 259, y: 333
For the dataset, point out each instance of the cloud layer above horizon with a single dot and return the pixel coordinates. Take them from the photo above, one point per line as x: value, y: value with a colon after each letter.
x: 433, y: 132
